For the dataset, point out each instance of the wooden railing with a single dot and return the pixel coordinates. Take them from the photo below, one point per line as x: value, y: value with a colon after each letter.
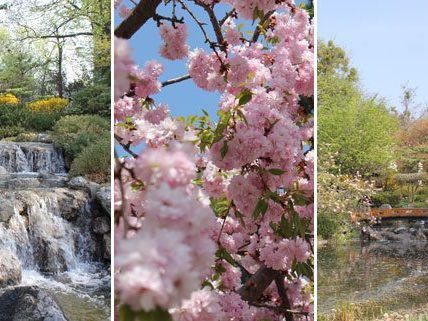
x: 390, y: 213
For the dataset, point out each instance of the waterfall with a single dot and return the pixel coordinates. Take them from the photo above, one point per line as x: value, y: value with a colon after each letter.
x: 31, y: 158
x: 47, y: 226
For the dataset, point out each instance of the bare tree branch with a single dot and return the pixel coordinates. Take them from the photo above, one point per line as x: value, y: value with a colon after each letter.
x: 144, y: 11
x: 175, y: 80
x: 253, y: 289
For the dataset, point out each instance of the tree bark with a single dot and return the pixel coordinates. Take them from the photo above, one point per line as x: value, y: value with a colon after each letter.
x: 60, y: 80
x: 144, y: 11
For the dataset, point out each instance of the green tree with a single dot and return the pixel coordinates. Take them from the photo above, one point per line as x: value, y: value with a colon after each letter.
x: 356, y: 129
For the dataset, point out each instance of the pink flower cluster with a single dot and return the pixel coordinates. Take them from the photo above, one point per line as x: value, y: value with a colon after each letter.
x: 258, y: 168
x: 174, y: 46
x: 166, y: 260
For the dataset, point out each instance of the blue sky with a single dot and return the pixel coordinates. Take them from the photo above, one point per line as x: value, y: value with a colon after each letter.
x: 386, y: 40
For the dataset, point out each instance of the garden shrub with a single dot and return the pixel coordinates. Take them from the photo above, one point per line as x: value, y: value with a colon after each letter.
x: 94, y: 99
x: 385, y: 197
x: 94, y: 160
x: 327, y: 226
x: 49, y: 104
x: 13, y: 115
x: 8, y: 99
x: 10, y: 131
x: 75, y: 132
x: 41, y: 121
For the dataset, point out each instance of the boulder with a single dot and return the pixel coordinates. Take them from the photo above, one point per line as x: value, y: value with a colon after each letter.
x: 103, y: 196
x: 101, y: 225
x: 6, y: 209
x: 10, y: 269
x: 78, y: 183
x: 28, y: 303
x: 385, y: 207
x: 3, y: 171
x: 50, y: 257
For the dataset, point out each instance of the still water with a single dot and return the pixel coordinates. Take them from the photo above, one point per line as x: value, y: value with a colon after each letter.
x: 394, y: 276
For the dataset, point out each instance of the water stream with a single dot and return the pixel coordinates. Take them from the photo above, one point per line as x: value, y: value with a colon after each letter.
x: 376, y: 274
x: 49, y: 230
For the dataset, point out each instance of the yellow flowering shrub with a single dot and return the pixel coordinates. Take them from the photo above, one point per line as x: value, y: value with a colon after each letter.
x: 8, y: 99
x: 48, y: 104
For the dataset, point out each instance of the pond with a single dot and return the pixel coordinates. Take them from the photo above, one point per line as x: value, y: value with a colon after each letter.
x: 375, y: 274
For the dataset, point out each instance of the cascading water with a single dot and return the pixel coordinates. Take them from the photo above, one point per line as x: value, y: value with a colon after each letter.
x: 47, y: 226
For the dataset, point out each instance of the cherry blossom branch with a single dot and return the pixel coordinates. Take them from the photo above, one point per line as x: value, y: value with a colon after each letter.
x: 201, y: 25
x: 253, y: 289
x: 231, y: 13
x: 279, y: 282
x: 258, y: 29
x: 126, y: 147
x: 118, y: 175
x: 158, y: 18
x: 214, y: 22
x: 144, y: 11
x: 175, y: 80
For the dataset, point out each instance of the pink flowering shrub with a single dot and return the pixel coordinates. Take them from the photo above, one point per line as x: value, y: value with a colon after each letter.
x: 214, y: 219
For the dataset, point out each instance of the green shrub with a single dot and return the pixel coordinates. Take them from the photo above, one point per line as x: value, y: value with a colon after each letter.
x: 94, y: 99
x: 385, y: 197
x: 13, y: 115
x: 73, y: 133
x: 41, y: 121
x: 10, y: 131
x: 327, y: 226
x: 94, y: 160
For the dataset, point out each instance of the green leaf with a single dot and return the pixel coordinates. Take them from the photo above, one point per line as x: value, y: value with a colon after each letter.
x: 241, y: 114
x: 126, y: 314
x: 260, y: 208
x: 223, y: 254
x: 300, y: 199
x: 276, y: 171
x: 244, y: 97
x: 224, y: 149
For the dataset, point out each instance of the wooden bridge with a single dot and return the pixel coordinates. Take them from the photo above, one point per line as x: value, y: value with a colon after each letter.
x: 390, y: 213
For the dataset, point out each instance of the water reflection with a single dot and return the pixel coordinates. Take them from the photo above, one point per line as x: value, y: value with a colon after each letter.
x: 391, y: 273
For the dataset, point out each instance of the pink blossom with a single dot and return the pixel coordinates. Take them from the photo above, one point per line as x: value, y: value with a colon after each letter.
x: 146, y: 82
x: 202, y: 306
x: 174, y: 46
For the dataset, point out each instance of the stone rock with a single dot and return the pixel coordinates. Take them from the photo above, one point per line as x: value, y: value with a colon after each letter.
x: 78, y: 183
x: 101, y: 225
x: 50, y: 258
x: 371, y: 233
x: 103, y: 196
x: 399, y: 230
x: 107, y: 246
x: 71, y: 203
x: 27, y: 303
x: 3, y: 171
x: 43, y: 138
x: 24, y: 183
x: 6, y: 209
x: 420, y: 236
x: 93, y: 188
x: 385, y: 207
x: 10, y: 269
x: 391, y: 236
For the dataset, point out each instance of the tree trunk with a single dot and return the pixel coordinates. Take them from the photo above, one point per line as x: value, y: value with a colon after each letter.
x: 60, y: 80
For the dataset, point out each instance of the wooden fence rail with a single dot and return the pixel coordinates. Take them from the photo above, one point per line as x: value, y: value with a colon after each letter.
x: 390, y: 213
